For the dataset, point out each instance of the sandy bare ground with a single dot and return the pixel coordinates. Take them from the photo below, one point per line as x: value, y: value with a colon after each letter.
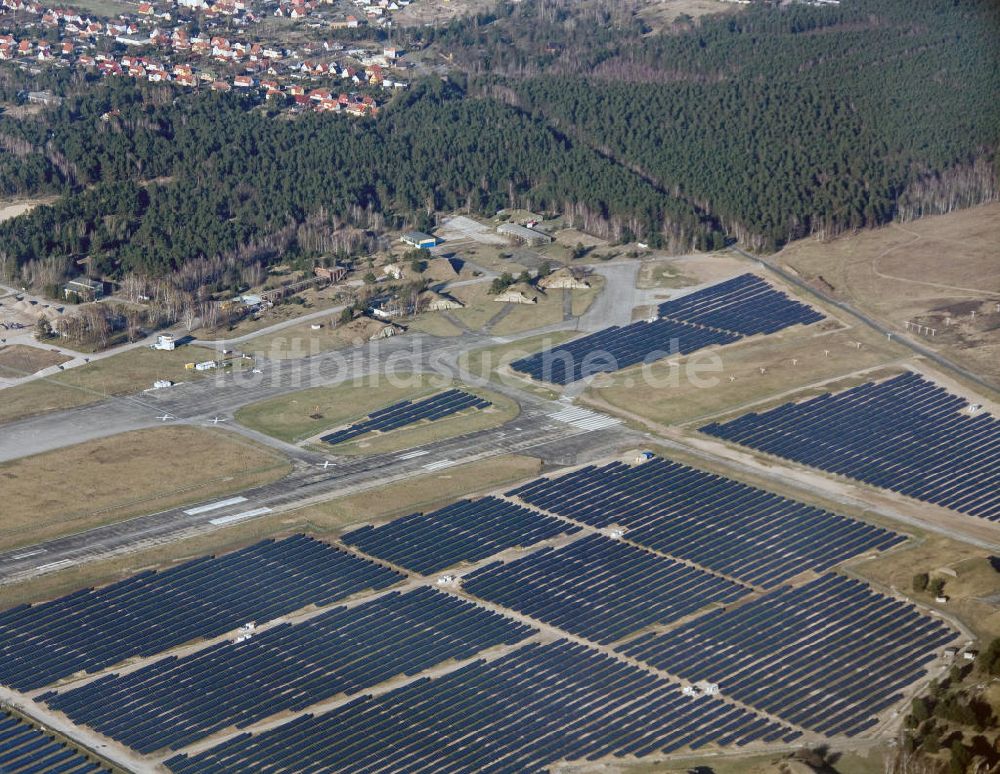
x: 11, y: 209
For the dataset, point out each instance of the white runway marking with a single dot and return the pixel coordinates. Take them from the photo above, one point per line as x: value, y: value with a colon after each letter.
x: 26, y: 554
x: 584, y: 419
x: 240, y: 516
x: 412, y: 454
x: 54, y: 565
x: 439, y: 464
x: 215, y: 506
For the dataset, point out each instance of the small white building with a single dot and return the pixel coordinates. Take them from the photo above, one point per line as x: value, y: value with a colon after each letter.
x: 165, y: 342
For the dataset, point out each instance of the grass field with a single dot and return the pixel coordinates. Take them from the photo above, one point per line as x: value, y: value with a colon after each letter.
x: 480, y: 307
x: 327, y: 519
x: 124, y: 374
x: 503, y: 410
x: 434, y: 324
x: 662, y: 274
x: 19, y: 360
x: 484, y: 363
x: 104, y: 481
x: 869, y: 762
x: 314, y: 301
x: 298, y: 341
x: 711, y: 392
x: 660, y: 13
x: 929, y: 271
x: 526, y: 317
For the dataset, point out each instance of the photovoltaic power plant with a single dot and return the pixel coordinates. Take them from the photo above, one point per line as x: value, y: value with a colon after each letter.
x: 746, y: 533
x: 153, y: 611
x: 407, y: 412
x: 618, y: 347
x: 468, y: 531
x: 905, y: 434
x: 600, y: 588
x: 827, y: 656
x: 178, y: 701
x: 746, y: 305
x: 720, y: 314
x: 24, y: 749
x: 521, y: 712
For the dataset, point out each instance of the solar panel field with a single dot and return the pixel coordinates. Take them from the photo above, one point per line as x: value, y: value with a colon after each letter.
x: 751, y: 535
x: 721, y: 314
x: 24, y: 748
x: 406, y: 412
x: 553, y: 641
x: 905, y: 434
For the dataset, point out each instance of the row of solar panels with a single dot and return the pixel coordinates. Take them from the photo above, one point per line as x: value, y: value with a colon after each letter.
x: 746, y: 304
x: 721, y: 314
x: 153, y: 611
x: 24, y: 749
x: 600, y: 588
x: 406, y: 413
x: 178, y: 701
x: 521, y: 712
x: 905, y: 434
x: 829, y: 655
x: 747, y: 533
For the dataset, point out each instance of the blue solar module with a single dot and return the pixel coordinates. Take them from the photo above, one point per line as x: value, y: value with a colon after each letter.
x: 406, y: 413
x: 616, y: 348
x: 600, y: 588
x: 829, y: 655
x: 178, y: 701
x: 468, y: 530
x: 747, y: 533
x: 905, y: 434
x: 746, y: 305
x: 94, y: 628
x: 521, y: 712
x: 24, y: 749
x: 721, y: 314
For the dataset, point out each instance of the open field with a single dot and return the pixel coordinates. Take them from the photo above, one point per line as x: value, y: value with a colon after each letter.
x: 662, y: 274
x: 480, y: 307
x: 13, y: 207
x: 503, y: 410
x: 791, y: 359
x: 19, y: 360
x: 868, y: 762
x: 424, y: 12
x: 661, y: 13
x: 525, y: 317
x: 936, y: 272
x: 100, y: 482
x: 330, y: 518
x: 123, y: 374
x: 300, y: 415
x: 298, y: 341
x: 435, y: 324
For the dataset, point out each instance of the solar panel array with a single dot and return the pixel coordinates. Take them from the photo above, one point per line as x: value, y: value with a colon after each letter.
x: 616, y: 347
x: 406, y: 413
x: 746, y: 305
x: 600, y: 588
x: 828, y: 655
x: 468, y: 530
x: 749, y: 534
x: 521, y: 712
x: 152, y: 611
x: 178, y: 701
x: 721, y: 314
x: 905, y: 434
x: 24, y: 749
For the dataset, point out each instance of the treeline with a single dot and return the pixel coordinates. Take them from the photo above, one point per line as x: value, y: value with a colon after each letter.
x: 779, y: 121
x: 160, y: 179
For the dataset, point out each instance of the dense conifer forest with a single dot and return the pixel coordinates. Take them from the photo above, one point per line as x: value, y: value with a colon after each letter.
x: 763, y: 125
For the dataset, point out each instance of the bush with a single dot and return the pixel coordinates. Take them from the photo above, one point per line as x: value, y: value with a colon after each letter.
x: 920, y: 581
x: 936, y: 587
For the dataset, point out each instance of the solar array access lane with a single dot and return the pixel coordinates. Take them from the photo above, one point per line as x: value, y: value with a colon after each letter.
x: 468, y: 530
x: 406, y: 413
x: 827, y: 656
x: 150, y: 612
x: 600, y: 588
x: 905, y: 434
x: 521, y: 712
x: 24, y: 749
x: 746, y: 533
x: 178, y: 701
